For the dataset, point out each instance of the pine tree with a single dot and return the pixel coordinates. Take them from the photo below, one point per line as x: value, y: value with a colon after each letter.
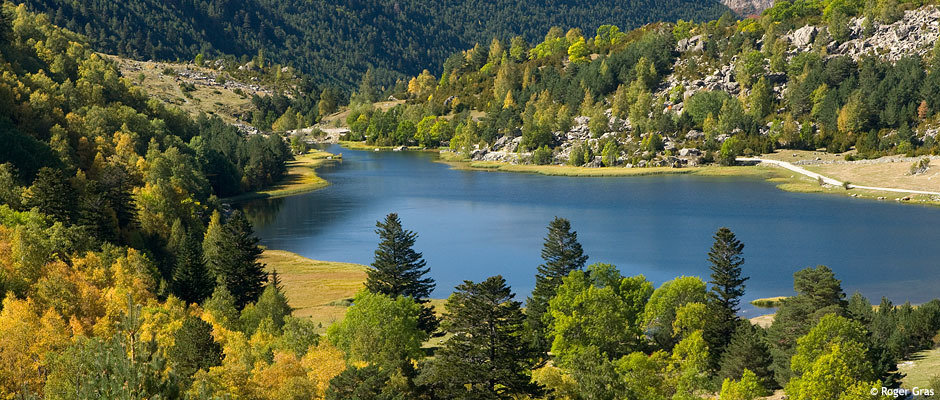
x: 727, y: 287
x: 191, y: 279
x: 399, y: 270
x: 818, y: 293
x: 194, y: 348
x: 747, y: 350
x: 53, y: 195
x: 486, y: 356
x: 213, y: 242
x: 236, y: 266
x: 562, y: 254
x: 271, y: 305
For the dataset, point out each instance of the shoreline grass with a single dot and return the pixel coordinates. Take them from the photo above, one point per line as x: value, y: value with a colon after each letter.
x: 301, y: 178
x: 319, y: 290
x: 783, y: 179
x: 769, y: 302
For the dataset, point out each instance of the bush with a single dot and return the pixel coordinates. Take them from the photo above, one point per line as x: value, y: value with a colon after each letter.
x: 920, y: 166
x: 542, y: 155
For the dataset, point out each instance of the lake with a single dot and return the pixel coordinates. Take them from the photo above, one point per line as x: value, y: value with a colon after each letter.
x: 475, y: 224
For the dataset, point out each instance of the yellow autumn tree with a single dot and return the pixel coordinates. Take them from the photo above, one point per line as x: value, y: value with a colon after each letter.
x: 323, y: 362
x: 26, y: 341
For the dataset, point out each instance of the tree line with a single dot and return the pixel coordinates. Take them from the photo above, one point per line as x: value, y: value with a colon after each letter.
x: 336, y: 43
x: 785, y: 99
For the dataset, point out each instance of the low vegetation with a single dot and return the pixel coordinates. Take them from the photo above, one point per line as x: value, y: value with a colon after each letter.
x: 319, y: 290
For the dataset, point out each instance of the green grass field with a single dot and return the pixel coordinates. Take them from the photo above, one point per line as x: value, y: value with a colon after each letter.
x: 921, y: 370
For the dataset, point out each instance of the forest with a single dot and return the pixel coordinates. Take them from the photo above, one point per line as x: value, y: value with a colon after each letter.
x: 636, y: 91
x: 125, y: 276
x: 337, y: 42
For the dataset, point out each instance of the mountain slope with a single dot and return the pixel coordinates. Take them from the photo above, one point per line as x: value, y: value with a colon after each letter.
x: 338, y: 41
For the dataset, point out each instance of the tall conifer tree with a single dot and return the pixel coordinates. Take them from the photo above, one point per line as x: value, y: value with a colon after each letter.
x: 562, y: 254
x: 399, y: 270
x: 727, y: 287
x: 232, y: 256
x: 191, y: 279
x: 486, y: 358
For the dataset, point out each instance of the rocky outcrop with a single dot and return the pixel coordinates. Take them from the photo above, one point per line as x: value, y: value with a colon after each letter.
x: 912, y: 35
x: 803, y: 37
x: 748, y: 8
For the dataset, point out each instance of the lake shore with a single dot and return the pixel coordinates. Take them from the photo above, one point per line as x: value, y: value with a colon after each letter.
x: 780, y: 177
x: 319, y: 290
x: 301, y: 177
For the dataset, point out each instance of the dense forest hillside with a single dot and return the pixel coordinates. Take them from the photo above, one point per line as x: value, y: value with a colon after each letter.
x: 123, y: 277
x: 338, y: 41
x: 862, y: 76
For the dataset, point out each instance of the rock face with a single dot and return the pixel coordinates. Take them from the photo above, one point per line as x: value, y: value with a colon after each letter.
x: 748, y: 8
x: 912, y: 35
x: 804, y: 36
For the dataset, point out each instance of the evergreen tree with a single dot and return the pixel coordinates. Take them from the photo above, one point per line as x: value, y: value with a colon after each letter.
x: 238, y: 267
x: 562, y: 254
x: 191, y: 279
x: 53, y: 195
x: 486, y: 357
x: 368, y: 382
x: 819, y: 293
x: 727, y: 287
x: 367, y: 87
x: 213, y: 241
x: 748, y: 350
x: 272, y: 305
x: 399, y: 270
x: 193, y: 348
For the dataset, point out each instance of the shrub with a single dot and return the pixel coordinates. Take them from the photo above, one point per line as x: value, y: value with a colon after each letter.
x: 542, y: 155
x: 920, y: 166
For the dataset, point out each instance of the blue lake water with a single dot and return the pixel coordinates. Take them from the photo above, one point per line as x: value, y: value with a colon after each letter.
x: 475, y: 224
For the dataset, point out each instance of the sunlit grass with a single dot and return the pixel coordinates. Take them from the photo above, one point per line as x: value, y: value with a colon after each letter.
x: 301, y: 177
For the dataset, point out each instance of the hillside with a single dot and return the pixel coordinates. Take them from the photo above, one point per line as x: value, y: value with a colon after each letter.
x: 858, y: 81
x: 338, y: 41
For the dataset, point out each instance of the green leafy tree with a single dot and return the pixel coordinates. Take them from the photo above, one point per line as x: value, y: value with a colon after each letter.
x: 399, y: 270
x: 486, y: 358
x: 222, y: 307
x: 831, y: 360
x: 819, y: 293
x: 729, y: 152
x: 380, y: 329
x: 599, y: 308
x: 271, y: 306
x: 660, y: 312
x: 610, y: 153
x: 562, y: 254
x: 727, y: 287
x: 760, y: 101
x: 748, y: 387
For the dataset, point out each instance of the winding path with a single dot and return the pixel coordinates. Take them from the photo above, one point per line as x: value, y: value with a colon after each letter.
x: 827, y: 180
